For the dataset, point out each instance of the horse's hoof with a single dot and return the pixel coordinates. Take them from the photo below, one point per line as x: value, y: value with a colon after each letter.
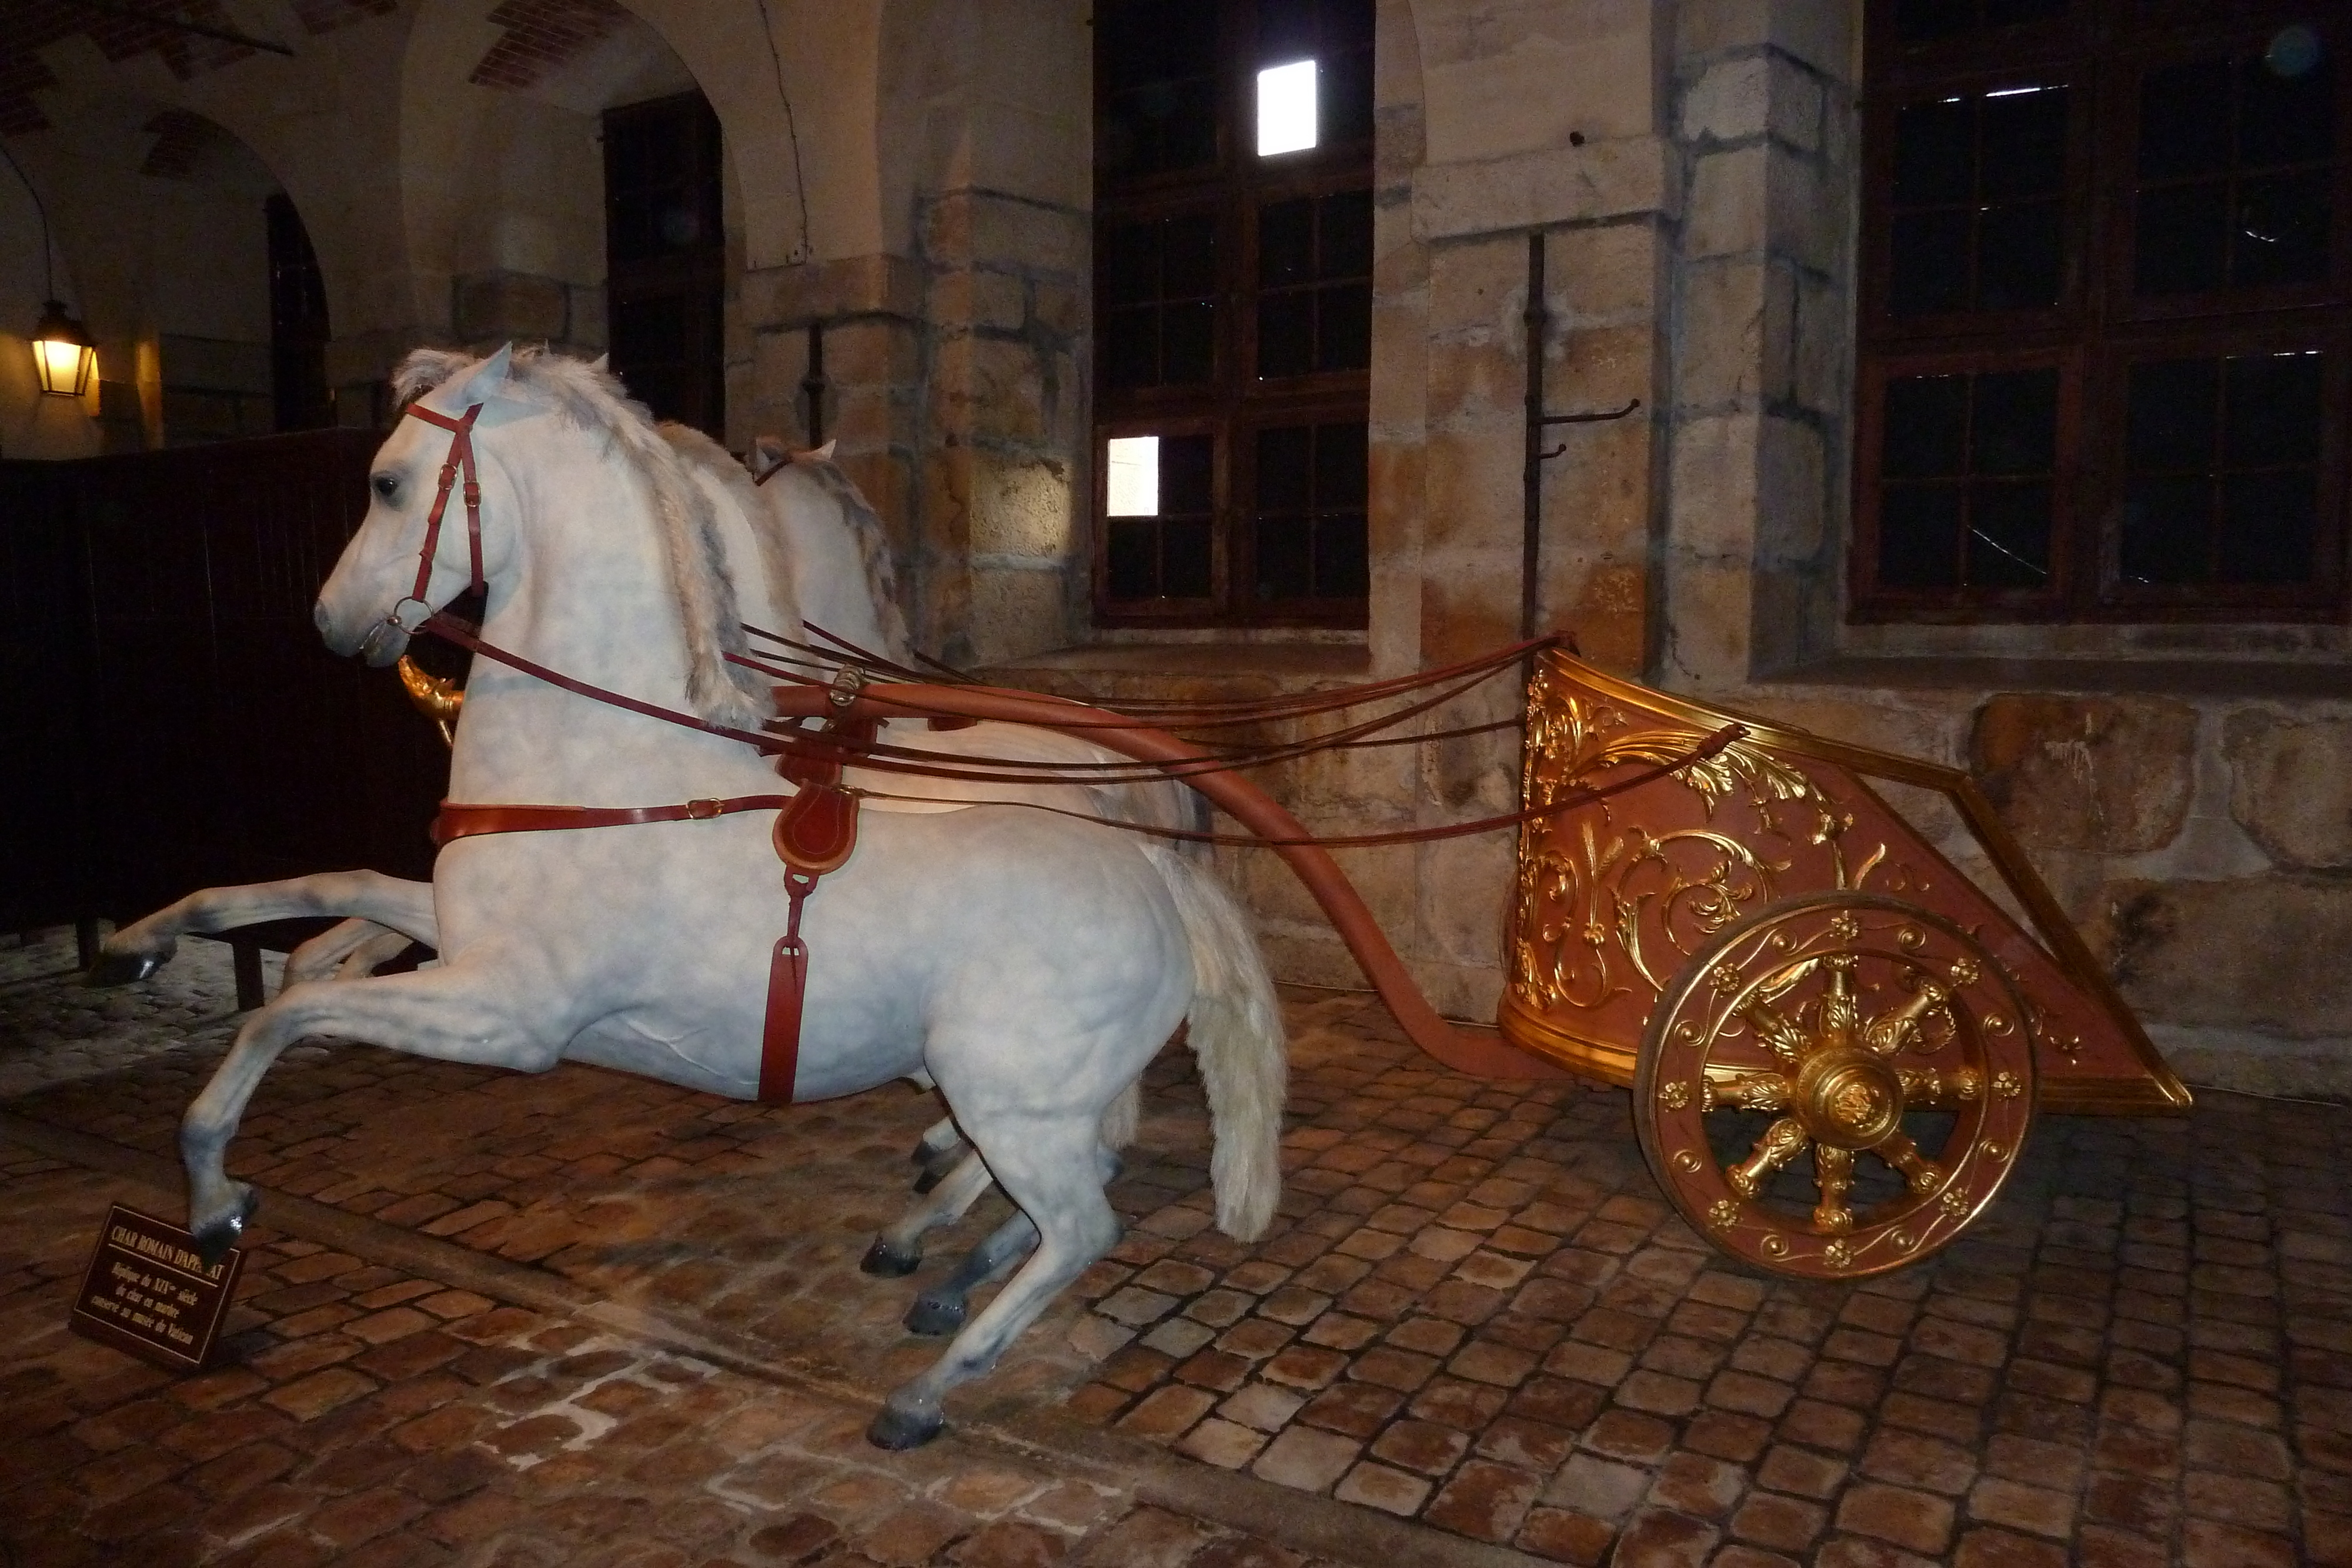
x: 935, y: 1316
x: 123, y: 968
x: 890, y: 1262
x: 930, y: 1179
x: 213, y: 1241
x: 896, y: 1429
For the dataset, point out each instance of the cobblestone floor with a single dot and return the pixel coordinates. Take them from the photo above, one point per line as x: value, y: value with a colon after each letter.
x: 1475, y: 1314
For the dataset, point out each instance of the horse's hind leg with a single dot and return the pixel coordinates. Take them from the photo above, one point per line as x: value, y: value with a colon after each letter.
x: 940, y: 1309
x: 140, y: 948
x: 897, y: 1250
x: 937, y: 1152
x: 1051, y: 1171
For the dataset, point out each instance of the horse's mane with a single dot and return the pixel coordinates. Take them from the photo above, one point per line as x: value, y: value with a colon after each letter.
x: 865, y: 527
x: 589, y: 397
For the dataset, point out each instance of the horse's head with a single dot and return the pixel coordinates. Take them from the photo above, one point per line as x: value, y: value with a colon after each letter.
x: 519, y: 422
x: 404, y: 564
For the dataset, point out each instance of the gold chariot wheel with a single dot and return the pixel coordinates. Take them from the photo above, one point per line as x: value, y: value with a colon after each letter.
x: 1814, y: 1032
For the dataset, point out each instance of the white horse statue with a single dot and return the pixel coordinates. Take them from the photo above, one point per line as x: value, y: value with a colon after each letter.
x: 819, y: 546
x: 1029, y: 965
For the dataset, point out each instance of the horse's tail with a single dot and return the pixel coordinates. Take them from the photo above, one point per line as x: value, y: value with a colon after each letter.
x: 1236, y: 1033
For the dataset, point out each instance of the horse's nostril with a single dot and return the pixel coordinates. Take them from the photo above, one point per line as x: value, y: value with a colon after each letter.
x: 318, y: 616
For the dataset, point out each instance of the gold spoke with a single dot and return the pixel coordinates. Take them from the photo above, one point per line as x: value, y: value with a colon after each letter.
x: 1894, y: 1030
x: 1784, y: 1140
x: 1922, y: 1175
x: 1924, y: 1088
x: 1840, y: 1009
x: 1780, y: 1036
x: 1833, y: 1170
x: 1749, y: 1091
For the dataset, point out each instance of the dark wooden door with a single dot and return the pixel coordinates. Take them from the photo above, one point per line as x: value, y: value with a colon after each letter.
x: 196, y: 731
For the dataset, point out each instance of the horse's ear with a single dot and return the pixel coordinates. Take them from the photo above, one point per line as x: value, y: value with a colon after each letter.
x: 601, y: 362
x: 488, y: 379
x: 823, y: 454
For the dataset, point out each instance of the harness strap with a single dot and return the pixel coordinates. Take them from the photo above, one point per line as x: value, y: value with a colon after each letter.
x: 459, y: 820
x: 460, y: 460
x: 779, y: 1040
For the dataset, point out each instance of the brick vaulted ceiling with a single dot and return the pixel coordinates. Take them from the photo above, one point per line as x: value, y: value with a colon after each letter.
x: 28, y: 26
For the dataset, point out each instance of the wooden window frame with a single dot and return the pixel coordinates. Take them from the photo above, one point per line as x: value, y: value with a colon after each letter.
x: 1233, y: 405
x: 2097, y: 328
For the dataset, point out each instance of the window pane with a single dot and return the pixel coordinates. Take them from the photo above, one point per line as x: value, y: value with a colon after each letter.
x: 1286, y: 558
x: 1347, y: 96
x: 1927, y: 427
x: 1917, y: 21
x: 1919, y: 537
x: 2165, y: 523
x: 2015, y: 429
x: 2287, y: 116
x: 1346, y: 236
x: 2170, y: 420
x: 2181, y: 244
x: 1931, y: 263
x: 1130, y: 263
x: 1184, y: 558
x: 1286, y: 30
x: 1188, y: 251
x: 1935, y: 156
x: 1130, y: 349
x: 1131, y: 476
x: 1286, y: 118
x: 1344, y: 318
x: 1188, y: 342
x: 2184, y: 121
x: 1341, y: 476
x: 1285, y: 242
x: 2009, y: 536
x: 1187, y: 474
x: 2019, y: 251
x: 2269, y: 522
x: 2282, y: 229
x: 1342, y: 558
x: 1133, y: 566
x: 2275, y: 403
x: 2025, y: 143
x: 1285, y: 334
x: 1285, y: 468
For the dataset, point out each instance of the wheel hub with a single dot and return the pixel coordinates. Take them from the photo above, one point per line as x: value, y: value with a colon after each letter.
x: 1848, y: 1098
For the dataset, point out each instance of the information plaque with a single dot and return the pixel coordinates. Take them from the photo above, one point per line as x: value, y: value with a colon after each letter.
x: 147, y: 1291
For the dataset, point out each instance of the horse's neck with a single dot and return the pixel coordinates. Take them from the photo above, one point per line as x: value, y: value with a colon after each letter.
x: 829, y: 572
x: 591, y: 599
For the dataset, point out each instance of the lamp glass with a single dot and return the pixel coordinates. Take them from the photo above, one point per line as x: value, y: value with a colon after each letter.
x: 62, y: 352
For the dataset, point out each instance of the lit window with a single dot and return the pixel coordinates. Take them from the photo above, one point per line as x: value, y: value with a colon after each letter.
x: 1134, y: 473
x: 1286, y: 109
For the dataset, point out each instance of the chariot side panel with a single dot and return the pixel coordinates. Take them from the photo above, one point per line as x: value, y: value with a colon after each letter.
x: 1613, y: 901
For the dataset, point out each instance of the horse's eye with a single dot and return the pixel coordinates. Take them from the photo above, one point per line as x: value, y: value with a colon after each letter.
x: 385, y: 486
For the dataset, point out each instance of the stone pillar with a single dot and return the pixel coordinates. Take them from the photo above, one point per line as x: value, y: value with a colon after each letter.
x: 1004, y: 476
x: 872, y: 311
x: 1760, y: 311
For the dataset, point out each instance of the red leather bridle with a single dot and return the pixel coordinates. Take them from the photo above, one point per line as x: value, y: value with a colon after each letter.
x: 460, y: 460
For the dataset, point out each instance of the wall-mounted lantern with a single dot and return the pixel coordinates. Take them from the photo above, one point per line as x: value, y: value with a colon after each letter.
x: 62, y: 352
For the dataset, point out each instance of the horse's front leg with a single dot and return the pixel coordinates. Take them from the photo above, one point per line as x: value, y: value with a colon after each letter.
x: 470, y: 1012
x: 140, y: 948
x: 349, y: 951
